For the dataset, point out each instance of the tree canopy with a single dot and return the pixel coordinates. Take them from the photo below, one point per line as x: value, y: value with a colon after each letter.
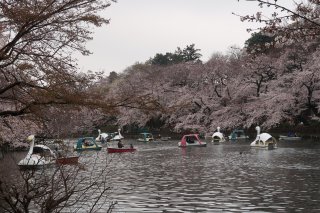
x: 259, y: 43
x: 288, y: 24
x: 188, y: 54
x: 37, y: 71
x: 39, y: 79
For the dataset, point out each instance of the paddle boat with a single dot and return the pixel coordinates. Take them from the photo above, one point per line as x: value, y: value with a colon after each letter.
x: 290, y: 137
x: 145, y: 137
x: 37, y: 156
x: 86, y: 143
x: 191, y: 140
x: 237, y: 134
x: 218, y: 137
x: 102, y: 137
x: 264, y: 140
x: 116, y: 136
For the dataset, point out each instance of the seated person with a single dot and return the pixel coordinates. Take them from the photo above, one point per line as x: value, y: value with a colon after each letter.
x: 291, y: 134
x: 103, y: 140
x: 120, y: 145
x: 190, y: 140
x: 86, y: 143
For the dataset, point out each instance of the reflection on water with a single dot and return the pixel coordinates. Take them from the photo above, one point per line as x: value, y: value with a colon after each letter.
x: 231, y: 177
x: 161, y: 177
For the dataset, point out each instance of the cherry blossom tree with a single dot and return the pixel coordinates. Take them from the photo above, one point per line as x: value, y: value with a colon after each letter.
x: 293, y: 80
x: 35, y: 52
x: 299, y: 23
x: 37, y: 72
x: 307, y: 84
x: 260, y: 71
x: 227, y: 91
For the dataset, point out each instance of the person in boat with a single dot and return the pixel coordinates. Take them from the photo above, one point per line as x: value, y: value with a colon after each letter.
x: 291, y: 134
x: 58, y: 152
x: 120, y: 144
x: 86, y: 142
x: 103, y: 140
x: 190, y: 140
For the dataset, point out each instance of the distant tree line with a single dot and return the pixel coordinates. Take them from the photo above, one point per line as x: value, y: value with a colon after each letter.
x: 273, y: 80
x: 188, y: 54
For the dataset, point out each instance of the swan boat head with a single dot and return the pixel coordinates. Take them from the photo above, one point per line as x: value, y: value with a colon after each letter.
x: 263, y: 139
x: 38, y: 155
x: 218, y: 135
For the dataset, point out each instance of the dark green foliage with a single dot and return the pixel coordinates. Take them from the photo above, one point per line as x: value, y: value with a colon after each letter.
x: 188, y: 54
x: 259, y: 43
x: 167, y: 59
x: 112, y: 77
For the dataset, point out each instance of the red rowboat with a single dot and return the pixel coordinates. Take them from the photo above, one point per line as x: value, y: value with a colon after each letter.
x: 67, y: 160
x: 118, y: 150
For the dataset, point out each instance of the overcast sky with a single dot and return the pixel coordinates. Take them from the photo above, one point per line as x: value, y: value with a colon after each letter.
x: 139, y: 29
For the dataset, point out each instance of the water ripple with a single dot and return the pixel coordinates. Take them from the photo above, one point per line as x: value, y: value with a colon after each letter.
x: 160, y: 177
x: 165, y: 178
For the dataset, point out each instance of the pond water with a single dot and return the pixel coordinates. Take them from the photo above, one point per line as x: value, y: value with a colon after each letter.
x: 230, y: 177
x: 160, y: 177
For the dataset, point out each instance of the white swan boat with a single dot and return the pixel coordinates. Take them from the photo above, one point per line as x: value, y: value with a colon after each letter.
x: 264, y: 140
x: 102, y: 137
x: 218, y: 137
x: 38, y: 155
x: 117, y: 136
